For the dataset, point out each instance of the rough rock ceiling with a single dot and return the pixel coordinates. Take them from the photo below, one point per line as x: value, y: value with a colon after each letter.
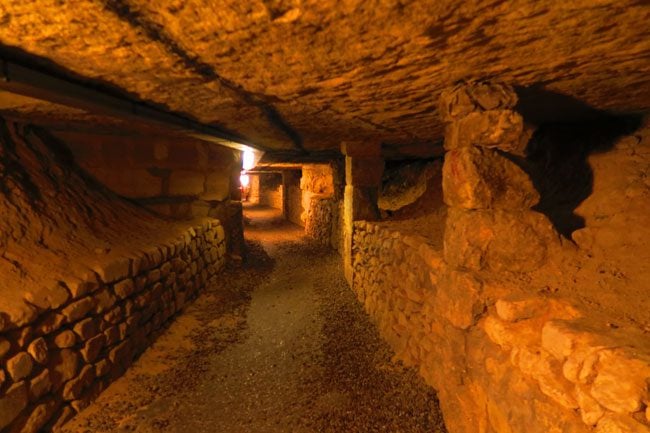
x: 294, y: 74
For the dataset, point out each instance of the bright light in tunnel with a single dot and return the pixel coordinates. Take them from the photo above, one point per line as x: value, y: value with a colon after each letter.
x: 244, y: 180
x: 248, y: 160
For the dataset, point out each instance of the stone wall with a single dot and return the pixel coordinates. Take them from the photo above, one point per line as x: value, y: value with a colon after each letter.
x: 517, y: 327
x: 319, y: 221
x: 294, y: 210
x: 55, y: 366
x: 88, y: 278
x: 176, y: 177
x: 320, y: 203
x: 173, y: 177
x: 502, y: 358
x: 270, y: 191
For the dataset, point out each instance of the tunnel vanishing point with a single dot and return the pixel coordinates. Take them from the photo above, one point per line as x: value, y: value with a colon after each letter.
x: 475, y: 173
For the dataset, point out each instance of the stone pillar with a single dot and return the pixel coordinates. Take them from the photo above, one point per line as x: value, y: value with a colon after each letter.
x: 364, y: 168
x: 490, y: 225
x: 285, y: 194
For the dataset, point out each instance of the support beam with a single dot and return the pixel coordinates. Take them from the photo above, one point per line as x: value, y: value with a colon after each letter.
x: 364, y: 168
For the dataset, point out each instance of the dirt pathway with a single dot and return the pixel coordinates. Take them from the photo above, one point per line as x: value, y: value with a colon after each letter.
x: 280, y: 345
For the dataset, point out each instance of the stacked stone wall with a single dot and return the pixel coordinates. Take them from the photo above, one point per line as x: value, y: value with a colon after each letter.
x: 91, y: 327
x: 501, y: 358
x: 320, y: 219
x: 483, y: 318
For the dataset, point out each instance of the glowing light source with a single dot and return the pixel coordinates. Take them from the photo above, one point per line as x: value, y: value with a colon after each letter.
x: 248, y: 160
x: 244, y: 180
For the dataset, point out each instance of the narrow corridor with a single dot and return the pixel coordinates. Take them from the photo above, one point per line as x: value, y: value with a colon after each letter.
x: 284, y: 348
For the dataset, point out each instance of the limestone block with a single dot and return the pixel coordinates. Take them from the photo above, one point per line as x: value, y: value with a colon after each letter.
x: 115, y: 270
x: 590, y: 411
x: 114, y: 315
x: 121, y: 354
x: 510, y: 335
x: 139, y: 263
x: 87, y: 328
x: 621, y: 384
x: 12, y: 403
x: 154, y: 257
x: 544, y: 368
x: 63, y: 366
x: 81, y: 404
x: 186, y: 183
x: 20, y: 366
x: 5, y: 346
x: 140, y: 283
x: 498, y: 129
x: 217, y: 186
x: 23, y: 336
x: 102, y: 368
x: 165, y: 269
x: 39, y: 416
x: 465, y: 98
x: 458, y: 299
x: 363, y: 171
x: 47, y: 298
x: 61, y: 418
x: 514, y: 310
x: 112, y: 335
x: 124, y: 288
x: 50, y: 323
x: 38, y: 350
x: 80, y: 286
x: 153, y: 276
x: 475, y: 178
x: 611, y: 423
x: 40, y: 385
x: 130, y: 182
x: 73, y: 389
x: 497, y: 240
x: 104, y: 300
x: 65, y: 339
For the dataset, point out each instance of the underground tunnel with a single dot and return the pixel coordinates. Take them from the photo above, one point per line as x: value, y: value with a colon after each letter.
x: 319, y: 216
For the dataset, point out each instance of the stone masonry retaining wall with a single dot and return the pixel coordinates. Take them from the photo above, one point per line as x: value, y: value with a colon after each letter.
x: 54, y: 366
x: 319, y: 221
x: 503, y: 360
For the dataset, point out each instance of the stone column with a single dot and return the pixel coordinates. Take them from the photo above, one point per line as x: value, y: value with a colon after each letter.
x: 490, y: 225
x: 364, y: 168
x: 285, y: 194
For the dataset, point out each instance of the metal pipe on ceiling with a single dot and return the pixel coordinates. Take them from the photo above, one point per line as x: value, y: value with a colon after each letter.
x: 29, y: 82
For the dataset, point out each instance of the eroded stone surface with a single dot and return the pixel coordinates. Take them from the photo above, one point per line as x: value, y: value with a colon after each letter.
x: 498, y: 240
x: 475, y: 178
x: 367, y: 72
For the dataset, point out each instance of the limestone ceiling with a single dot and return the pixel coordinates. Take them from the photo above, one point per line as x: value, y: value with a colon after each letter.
x: 308, y: 74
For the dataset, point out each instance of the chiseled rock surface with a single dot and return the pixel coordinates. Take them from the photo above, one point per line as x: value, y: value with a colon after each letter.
x: 289, y: 74
x: 502, y: 358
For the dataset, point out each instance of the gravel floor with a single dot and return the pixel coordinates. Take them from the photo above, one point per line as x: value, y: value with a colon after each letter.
x: 280, y: 345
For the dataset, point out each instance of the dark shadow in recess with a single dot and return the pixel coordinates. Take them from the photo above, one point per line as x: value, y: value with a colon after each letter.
x: 557, y: 153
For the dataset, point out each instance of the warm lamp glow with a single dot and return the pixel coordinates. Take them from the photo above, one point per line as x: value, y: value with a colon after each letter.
x: 248, y: 160
x: 244, y: 180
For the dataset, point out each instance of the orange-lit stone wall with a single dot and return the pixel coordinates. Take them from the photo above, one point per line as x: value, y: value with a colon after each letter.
x: 89, y: 279
x: 502, y: 358
x: 519, y: 328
